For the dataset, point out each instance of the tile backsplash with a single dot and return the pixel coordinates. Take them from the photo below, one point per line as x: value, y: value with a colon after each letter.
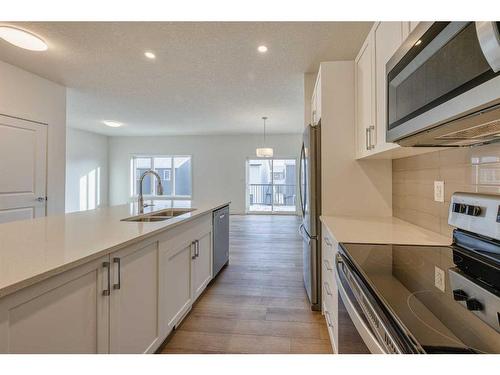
x: 470, y: 169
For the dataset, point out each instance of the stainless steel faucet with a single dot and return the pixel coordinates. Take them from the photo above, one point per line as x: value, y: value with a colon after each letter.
x: 159, y: 188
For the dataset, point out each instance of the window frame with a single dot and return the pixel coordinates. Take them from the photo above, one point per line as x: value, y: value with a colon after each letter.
x: 132, y: 177
x: 247, y: 176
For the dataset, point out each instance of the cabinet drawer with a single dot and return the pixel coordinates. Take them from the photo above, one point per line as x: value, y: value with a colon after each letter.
x: 329, y: 247
x: 331, y: 321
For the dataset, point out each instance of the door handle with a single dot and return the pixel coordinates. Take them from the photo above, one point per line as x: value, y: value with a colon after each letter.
x: 106, y: 292
x: 327, y: 241
x: 118, y: 285
x: 328, y: 319
x: 300, y: 180
x: 327, y: 265
x: 367, y: 138
x: 371, y: 128
x: 304, y: 236
x: 197, y: 248
x: 41, y: 199
x: 327, y: 288
x: 194, y: 253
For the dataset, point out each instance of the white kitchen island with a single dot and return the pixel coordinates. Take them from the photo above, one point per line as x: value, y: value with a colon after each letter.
x: 89, y: 282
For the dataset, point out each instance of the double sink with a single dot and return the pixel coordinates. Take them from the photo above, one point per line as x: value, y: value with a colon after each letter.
x: 161, y: 215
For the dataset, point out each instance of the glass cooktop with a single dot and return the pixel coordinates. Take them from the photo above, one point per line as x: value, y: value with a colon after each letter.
x: 413, y: 282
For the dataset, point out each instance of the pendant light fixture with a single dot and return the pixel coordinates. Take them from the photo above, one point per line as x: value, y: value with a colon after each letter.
x: 264, y: 152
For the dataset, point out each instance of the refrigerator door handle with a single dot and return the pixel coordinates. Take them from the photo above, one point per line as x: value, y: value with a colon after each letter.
x: 301, y: 192
x: 304, y: 234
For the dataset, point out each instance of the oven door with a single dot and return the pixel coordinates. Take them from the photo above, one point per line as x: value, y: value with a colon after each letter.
x: 440, y: 73
x: 377, y: 329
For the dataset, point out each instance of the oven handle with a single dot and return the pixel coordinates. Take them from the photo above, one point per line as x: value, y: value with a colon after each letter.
x: 489, y: 40
x: 355, y: 312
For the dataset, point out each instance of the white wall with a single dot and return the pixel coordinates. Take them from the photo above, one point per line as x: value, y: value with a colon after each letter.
x: 28, y: 96
x: 86, y: 154
x: 218, y: 162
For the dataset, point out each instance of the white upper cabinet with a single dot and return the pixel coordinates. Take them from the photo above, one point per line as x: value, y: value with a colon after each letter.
x: 371, y: 91
x: 388, y: 36
x: 364, y: 101
x: 316, y: 102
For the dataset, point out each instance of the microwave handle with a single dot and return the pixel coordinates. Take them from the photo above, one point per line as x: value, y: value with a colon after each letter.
x: 489, y: 40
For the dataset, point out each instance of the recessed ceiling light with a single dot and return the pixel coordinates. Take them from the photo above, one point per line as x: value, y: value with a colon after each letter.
x: 22, y: 39
x: 150, y: 55
x: 113, y: 124
x: 262, y: 49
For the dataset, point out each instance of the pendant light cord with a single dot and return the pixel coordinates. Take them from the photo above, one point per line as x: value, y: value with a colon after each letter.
x: 264, y: 118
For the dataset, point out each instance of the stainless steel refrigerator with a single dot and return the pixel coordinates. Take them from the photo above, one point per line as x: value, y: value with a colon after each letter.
x: 310, y: 207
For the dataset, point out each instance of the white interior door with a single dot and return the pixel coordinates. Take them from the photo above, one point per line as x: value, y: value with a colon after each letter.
x: 23, y: 169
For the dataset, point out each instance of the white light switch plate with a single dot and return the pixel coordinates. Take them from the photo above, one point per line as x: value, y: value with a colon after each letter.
x: 439, y: 191
x: 439, y: 279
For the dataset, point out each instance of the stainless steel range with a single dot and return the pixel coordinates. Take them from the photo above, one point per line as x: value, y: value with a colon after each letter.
x: 429, y: 299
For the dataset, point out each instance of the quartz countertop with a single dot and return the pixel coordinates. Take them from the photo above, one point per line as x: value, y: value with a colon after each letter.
x: 33, y: 250
x: 381, y: 230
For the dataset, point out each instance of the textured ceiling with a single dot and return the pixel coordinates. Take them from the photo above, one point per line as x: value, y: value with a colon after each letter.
x: 208, y: 77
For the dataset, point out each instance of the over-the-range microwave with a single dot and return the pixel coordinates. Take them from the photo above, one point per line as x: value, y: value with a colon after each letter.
x: 443, y: 85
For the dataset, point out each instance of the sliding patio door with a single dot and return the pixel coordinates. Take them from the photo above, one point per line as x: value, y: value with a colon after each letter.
x: 271, y: 186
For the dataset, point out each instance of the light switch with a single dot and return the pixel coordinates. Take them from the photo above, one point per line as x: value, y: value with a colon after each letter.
x: 439, y: 191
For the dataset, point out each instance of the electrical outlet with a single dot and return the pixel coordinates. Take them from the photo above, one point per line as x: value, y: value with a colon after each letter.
x: 439, y: 191
x: 439, y: 279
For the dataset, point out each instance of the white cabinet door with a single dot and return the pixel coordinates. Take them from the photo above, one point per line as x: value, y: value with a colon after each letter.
x: 202, y: 264
x: 316, y: 102
x: 175, y: 282
x: 134, y: 323
x: 67, y: 313
x: 364, y: 100
x: 23, y: 167
x: 388, y: 36
x: 329, y: 287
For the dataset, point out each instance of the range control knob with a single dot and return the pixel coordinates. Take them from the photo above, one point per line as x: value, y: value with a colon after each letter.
x: 459, y: 295
x: 474, y: 305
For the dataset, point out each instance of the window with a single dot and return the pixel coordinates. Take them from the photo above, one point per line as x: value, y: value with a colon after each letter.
x: 174, y: 171
x: 167, y: 174
x: 271, y: 185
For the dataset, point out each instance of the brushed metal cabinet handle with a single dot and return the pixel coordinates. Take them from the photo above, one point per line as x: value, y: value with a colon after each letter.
x: 106, y: 292
x: 327, y: 265
x: 119, y: 284
x: 328, y: 290
x: 328, y: 319
x: 194, y: 253
x: 197, y: 248
x: 371, y: 128
x: 328, y: 242
x: 367, y: 138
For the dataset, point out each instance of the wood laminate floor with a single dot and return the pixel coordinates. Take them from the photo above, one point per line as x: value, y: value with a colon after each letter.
x: 258, y: 303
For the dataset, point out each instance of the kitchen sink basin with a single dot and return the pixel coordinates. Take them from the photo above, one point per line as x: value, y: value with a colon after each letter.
x: 147, y: 218
x: 160, y: 215
x: 172, y: 213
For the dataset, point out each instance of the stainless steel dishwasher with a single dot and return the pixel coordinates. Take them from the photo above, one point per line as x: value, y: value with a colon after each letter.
x: 220, y: 239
